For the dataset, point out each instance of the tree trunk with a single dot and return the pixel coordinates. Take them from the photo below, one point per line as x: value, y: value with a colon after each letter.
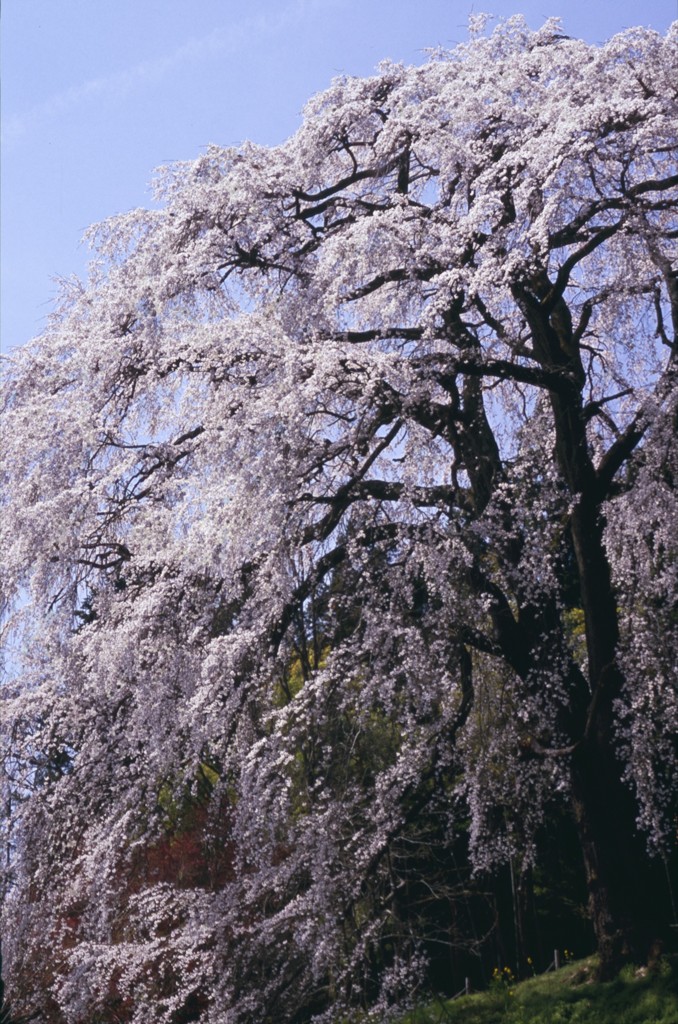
x: 622, y: 886
x: 622, y: 903
x: 623, y: 899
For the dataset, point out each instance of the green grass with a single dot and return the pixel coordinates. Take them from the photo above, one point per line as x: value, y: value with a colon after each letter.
x: 567, y: 996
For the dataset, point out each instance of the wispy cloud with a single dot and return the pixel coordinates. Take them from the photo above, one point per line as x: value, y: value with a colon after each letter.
x: 125, y: 83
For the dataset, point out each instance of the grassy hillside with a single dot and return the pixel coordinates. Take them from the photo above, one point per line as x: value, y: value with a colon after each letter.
x: 568, y: 996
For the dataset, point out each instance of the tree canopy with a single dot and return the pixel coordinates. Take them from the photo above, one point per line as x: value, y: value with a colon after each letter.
x: 339, y: 522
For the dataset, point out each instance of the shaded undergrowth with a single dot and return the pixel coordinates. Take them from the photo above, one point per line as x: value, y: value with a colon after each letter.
x: 568, y: 996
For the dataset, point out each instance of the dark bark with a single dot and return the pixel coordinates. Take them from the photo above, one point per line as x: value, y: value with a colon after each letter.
x: 622, y: 885
x: 621, y: 890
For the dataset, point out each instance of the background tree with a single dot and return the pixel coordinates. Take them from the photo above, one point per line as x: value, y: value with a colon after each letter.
x: 349, y: 476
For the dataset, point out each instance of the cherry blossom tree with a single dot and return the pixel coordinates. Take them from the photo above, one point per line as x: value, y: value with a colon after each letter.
x: 339, y: 514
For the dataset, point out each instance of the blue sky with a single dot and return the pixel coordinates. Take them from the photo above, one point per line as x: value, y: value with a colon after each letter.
x: 96, y: 93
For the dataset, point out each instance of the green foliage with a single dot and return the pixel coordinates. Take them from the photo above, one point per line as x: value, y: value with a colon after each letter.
x: 575, y: 631
x: 178, y: 806
x: 568, y: 996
